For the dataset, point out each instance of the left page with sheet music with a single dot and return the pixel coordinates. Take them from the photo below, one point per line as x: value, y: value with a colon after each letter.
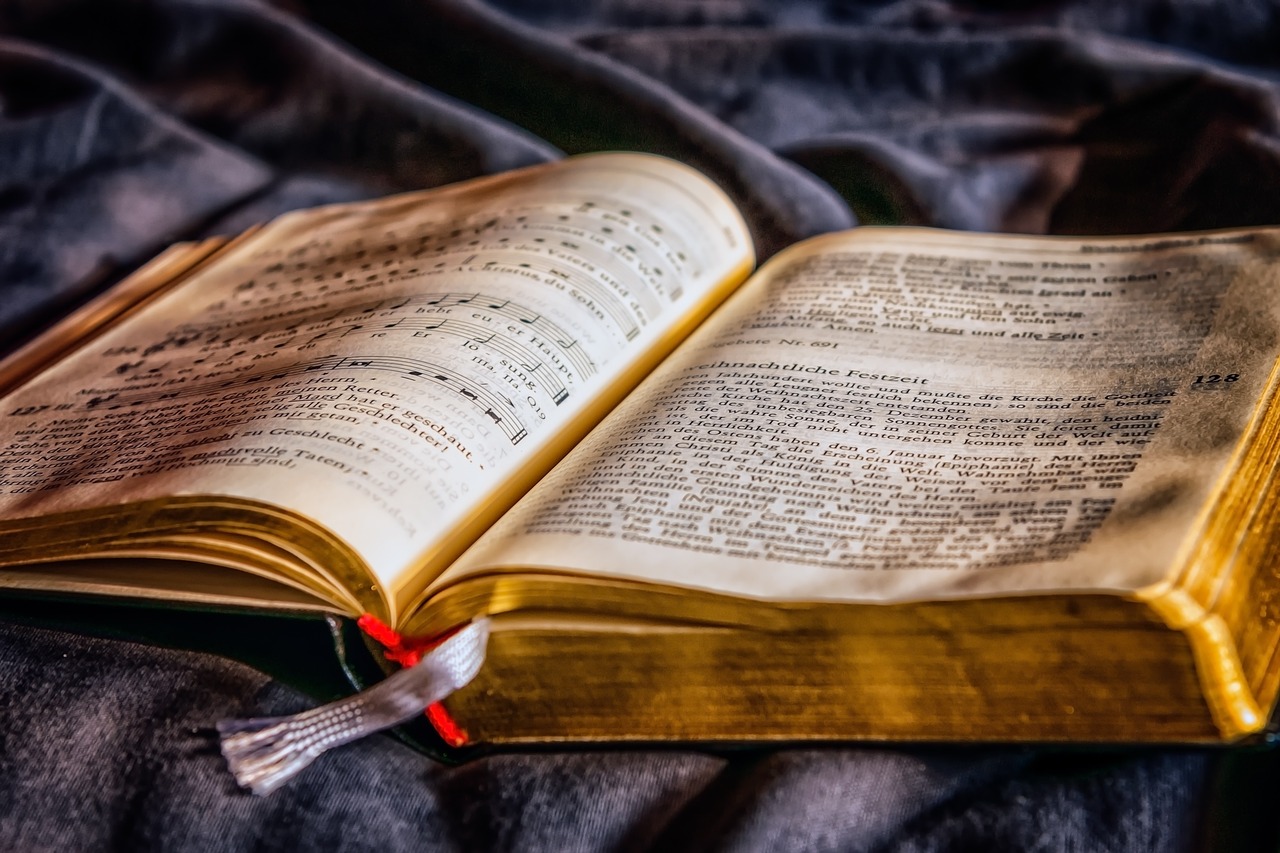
x: 338, y: 403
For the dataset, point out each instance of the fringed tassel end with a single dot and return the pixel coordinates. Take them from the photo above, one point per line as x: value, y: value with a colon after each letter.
x: 265, y: 752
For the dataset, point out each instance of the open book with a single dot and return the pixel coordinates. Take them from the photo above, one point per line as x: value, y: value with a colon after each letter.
x: 897, y: 484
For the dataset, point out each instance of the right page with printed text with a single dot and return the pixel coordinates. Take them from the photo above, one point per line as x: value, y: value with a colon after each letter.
x: 907, y: 414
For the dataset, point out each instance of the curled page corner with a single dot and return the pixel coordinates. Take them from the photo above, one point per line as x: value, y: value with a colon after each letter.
x: 265, y: 752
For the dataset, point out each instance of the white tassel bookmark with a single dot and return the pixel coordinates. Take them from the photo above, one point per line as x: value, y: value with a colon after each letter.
x: 265, y: 752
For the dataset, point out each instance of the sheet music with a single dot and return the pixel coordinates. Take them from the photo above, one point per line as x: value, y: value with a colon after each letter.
x: 382, y: 366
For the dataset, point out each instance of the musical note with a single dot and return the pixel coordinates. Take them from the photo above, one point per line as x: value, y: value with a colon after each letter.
x: 98, y: 401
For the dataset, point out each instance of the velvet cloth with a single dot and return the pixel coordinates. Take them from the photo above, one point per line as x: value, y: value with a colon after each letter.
x: 127, y: 124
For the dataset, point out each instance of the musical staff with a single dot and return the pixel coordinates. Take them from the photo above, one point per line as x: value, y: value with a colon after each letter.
x: 527, y: 359
x: 530, y: 304
x: 500, y: 409
x: 366, y: 318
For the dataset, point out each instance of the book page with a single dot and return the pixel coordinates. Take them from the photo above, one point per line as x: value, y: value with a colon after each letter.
x: 384, y: 368
x: 904, y: 414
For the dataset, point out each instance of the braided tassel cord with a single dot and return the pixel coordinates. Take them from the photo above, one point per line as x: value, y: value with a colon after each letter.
x: 265, y: 752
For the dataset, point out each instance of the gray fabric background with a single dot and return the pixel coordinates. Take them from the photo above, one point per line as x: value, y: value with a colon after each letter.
x: 127, y: 124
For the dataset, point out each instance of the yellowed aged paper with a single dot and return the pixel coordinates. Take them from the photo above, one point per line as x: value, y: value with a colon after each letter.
x: 909, y: 414
x: 381, y: 368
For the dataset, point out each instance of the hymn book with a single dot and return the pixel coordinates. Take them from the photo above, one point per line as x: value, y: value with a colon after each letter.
x: 898, y: 484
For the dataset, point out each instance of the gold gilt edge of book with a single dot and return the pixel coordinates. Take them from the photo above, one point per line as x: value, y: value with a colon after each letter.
x: 1251, y: 606
x: 1222, y: 558
x: 522, y: 591
x: 580, y: 660
x: 239, y: 534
